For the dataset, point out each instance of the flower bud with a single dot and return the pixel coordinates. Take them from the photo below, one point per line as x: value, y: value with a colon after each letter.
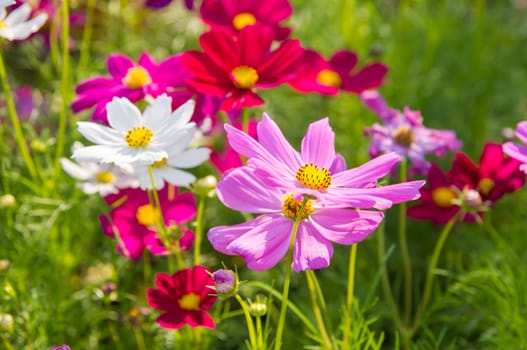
x: 7, y: 201
x: 62, y: 347
x: 38, y: 146
x: 6, y: 322
x: 258, y: 308
x: 4, y: 265
x: 205, y: 186
x: 225, y: 281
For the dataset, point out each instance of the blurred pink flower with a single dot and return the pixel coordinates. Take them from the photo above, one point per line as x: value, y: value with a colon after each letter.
x: 157, y: 4
x: 135, y: 81
x: 405, y: 134
x: 517, y: 151
x: 339, y: 73
x: 234, y: 15
x: 133, y: 220
x: 275, y: 182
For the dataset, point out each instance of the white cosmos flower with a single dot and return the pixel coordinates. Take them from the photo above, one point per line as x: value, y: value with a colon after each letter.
x: 94, y: 178
x: 5, y: 3
x: 168, y: 169
x: 16, y: 25
x: 133, y: 138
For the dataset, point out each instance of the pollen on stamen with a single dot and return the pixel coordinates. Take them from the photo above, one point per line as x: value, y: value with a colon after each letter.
x: 138, y: 137
x: 291, y: 207
x: 137, y: 77
x: 404, y: 136
x: 311, y: 176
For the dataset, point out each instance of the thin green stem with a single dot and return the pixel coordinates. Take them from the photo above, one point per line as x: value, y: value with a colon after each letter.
x: 199, y: 229
x: 259, y: 333
x: 431, y: 273
x: 387, y: 289
x: 287, y: 278
x: 140, y: 340
x: 248, y: 320
x: 13, y: 116
x: 349, y: 296
x: 7, y: 344
x: 65, y: 85
x: 403, y: 246
x: 310, y: 276
x: 86, y: 37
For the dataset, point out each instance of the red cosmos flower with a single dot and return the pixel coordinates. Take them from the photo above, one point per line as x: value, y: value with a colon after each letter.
x: 328, y: 77
x: 185, y: 297
x: 234, y: 15
x: 232, y: 66
x: 466, y: 185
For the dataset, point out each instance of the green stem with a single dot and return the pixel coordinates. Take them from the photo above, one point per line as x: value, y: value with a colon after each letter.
x: 349, y: 296
x: 317, y: 309
x: 248, y: 320
x: 86, y: 37
x: 287, y: 278
x: 65, y: 85
x: 431, y: 273
x: 403, y: 246
x: 387, y: 290
x: 13, y: 116
x: 199, y: 228
x: 259, y: 333
x: 7, y: 344
x: 140, y: 340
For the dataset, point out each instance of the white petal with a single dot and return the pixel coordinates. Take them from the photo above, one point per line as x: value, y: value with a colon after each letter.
x: 178, y: 177
x: 94, y: 153
x: 190, y: 158
x: 157, y: 115
x: 100, y: 134
x: 123, y: 114
x: 74, y: 170
x: 182, y: 114
x: 180, y: 139
x: 19, y: 15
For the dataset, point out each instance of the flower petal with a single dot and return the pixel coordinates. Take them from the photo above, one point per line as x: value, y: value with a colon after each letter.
x: 367, y: 173
x: 123, y: 114
x: 311, y: 251
x: 318, y: 145
x: 189, y: 158
x: 100, y: 134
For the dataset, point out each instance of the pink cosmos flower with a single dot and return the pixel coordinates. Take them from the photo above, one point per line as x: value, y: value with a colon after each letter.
x: 274, y: 183
x: 185, y: 297
x: 133, y: 222
x: 233, y: 66
x: 405, y: 134
x: 234, y: 15
x: 517, y: 151
x: 135, y: 81
x: 328, y: 77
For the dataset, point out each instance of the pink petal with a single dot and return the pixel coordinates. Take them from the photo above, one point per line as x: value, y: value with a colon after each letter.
x: 345, y: 226
x: 311, y: 251
x: 367, y: 173
x: 318, y: 145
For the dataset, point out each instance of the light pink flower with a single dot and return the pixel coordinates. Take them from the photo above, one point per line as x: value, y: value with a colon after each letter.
x: 274, y: 183
x: 404, y: 133
x: 517, y: 151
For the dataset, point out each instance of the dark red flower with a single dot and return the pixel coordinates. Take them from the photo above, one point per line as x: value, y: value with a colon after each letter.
x: 185, y: 297
x: 234, y: 15
x: 328, y: 77
x: 233, y: 66
x: 468, y: 186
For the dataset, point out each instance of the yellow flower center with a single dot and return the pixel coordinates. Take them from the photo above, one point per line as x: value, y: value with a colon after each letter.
x: 443, y: 197
x: 329, y: 77
x: 189, y: 302
x: 104, y: 177
x: 138, y: 137
x: 3, y: 25
x: 291, y: 207
x: 147, y: 215
x: 485, y: 185
x: 404, y: 136
x: 242, y: 20
x: 160, y: 163
x: 311, y: 176
x: 244, y: 77
x: 137, y: 77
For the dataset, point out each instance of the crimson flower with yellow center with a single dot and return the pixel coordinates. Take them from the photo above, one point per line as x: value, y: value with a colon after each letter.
x: 233, y: 66
x: 283, y: 184
x: 234, y: 15
x: 185, y: 297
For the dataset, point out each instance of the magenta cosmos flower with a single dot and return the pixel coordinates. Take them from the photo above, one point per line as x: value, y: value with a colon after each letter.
x: 234, y: 15
x: 157, y: 4
x: 133, y: 221
x: 274, y: 183
x: 404, y: 133
x: 328, y: 77
x: 185, y: 297
x: 233, y: 66
x: 517, y: 151
x: 135, y: 81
